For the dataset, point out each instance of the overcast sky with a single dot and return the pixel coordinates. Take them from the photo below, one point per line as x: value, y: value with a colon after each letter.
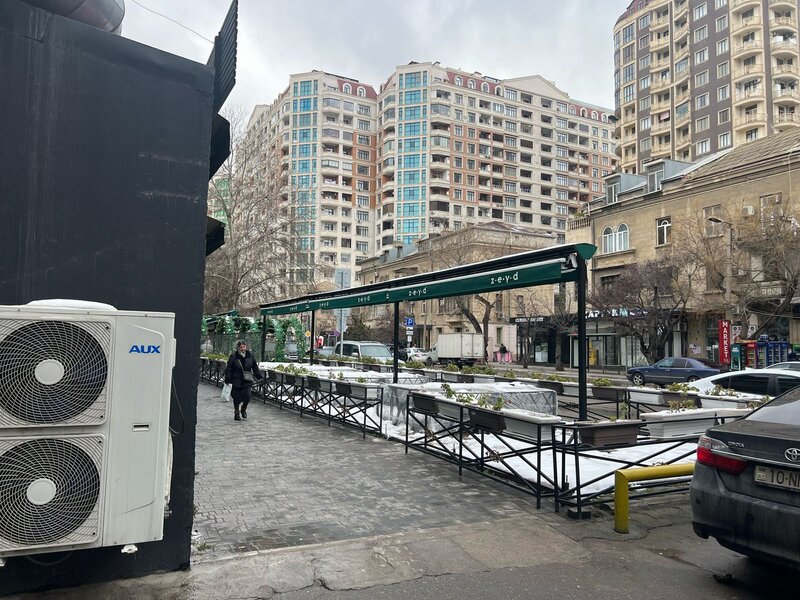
x: 566, y: 41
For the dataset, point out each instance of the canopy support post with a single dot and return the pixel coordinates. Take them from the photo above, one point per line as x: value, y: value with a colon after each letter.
x: 583, y: 346
x: 313, y: 338
x: 396, y: 350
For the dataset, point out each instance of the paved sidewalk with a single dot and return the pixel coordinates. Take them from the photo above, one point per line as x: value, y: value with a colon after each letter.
x: 277, y: 480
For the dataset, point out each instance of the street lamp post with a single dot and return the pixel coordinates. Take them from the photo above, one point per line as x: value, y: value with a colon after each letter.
x: 728, y: 266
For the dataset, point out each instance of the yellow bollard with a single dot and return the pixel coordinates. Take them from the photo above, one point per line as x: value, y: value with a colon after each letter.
x: 623, y: 477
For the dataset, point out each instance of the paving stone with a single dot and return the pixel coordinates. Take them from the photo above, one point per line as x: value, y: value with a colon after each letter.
x: 276, y: 480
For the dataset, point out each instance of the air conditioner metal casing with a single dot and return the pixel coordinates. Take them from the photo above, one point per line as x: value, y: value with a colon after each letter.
x: 131, y: 416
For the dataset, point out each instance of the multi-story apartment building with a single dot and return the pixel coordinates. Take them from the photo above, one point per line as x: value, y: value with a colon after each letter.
x: 458, y: 148
x: 693, y: 77
x: 314, y: 149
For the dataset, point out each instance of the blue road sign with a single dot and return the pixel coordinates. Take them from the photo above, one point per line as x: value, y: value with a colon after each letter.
x: 409, y: 321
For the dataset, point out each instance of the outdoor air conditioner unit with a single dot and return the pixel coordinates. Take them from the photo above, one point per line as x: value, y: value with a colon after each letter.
x: 85, y: 450
x: 748, y: 211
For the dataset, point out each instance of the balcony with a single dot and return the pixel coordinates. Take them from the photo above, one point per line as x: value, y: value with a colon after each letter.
x: 682, y: 142
x: 680, y: 8
x: 747, y: 70
x: 750, y: 120
x: 682, y: 96
x: 786, y: 95
x: 783, y: 46
x: 661, y: 127
x: 746, y: 25
x: 680, y: 31
x: 438, y: 196
x: 778, y: 3
x: 659, y: 43
x: 785, y: 69
x: 660, y: 149
x: 747, y: 49
x: 736, y: 4
x: 439, y: 182
x: 681, y: 52
x: 780, y: 22
x: 683, y: 118
x: 784, y: 121
x: 388, y: 166
x: 749, y: 95
x: 660, y: 83
x: 657, y: 65
x: 659, y: 23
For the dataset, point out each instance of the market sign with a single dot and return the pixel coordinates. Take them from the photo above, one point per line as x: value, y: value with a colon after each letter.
x: 724, y: 331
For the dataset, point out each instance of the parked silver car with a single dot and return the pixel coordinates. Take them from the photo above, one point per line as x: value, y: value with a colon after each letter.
x: 746, y: 486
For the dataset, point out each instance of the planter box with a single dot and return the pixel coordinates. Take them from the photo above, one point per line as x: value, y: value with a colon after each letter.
x: 556, y: 386
x: 425, y: 403
x: 490, y: 420
x: 605, y: 434
x: 677, y: 397
x: 450, y: 408
x: 723, y: 401
x: 667, y: 424
x: 570, y: 388
x: 451, y: 376
x: 477, y: 378
x: 646, y: 395
x: 528, y: 424
x: 609, y: 393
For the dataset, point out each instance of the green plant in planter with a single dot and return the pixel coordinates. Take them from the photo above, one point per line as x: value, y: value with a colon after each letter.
x: 509, y: 373
x: 624, y: 411
x: 602, y: 382
x: 464, y: 398
x: 368, y: 360
x: 680, y: 405
x: 313, y: 374
x: 754, y: 404
x: 467, y: 370
x: 483, y: 400
x: 361, y: 380
x: 340, y: 376
x: 555, y: 377
x: 682, y: 388
x: 499, y: 403
x: 451, y: 368
x: 448, y: 391
x: 415, y: 364
x: 718, y: 390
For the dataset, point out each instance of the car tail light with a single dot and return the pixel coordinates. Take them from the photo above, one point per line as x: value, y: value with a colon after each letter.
x: 707, y: 448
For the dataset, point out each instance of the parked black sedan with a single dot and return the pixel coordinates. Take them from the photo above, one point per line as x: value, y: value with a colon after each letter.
x: 745, y: 491
x: 669, y: 370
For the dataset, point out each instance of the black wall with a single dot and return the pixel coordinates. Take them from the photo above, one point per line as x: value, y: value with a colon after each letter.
x: 103, y: 178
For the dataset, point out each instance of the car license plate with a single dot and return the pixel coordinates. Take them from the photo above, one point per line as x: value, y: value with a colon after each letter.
x: 782, y: 478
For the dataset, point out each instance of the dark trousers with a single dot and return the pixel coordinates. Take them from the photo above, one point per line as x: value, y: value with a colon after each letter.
x: 241, y: 395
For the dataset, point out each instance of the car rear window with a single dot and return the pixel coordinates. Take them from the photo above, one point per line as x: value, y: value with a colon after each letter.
x: 750, y: 383
x: 786, y: 383
x: 783, y: 409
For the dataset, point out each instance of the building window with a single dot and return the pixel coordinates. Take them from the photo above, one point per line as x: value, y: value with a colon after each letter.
x: 663, y: 230
x: 347, y: 89
x: 459, y: 82
x: 701, y: 79
x: 723, y: 69
x: 700, y: 34
x: 609, y: 240
x: 654, y: 180
x: 724, y: 140
x: 699, y: 11
x: 712, y: 229
x: 722, y: 46
x: 724, y: 116
x: 701, y: 101
x: 702, y: 147
x: 723, y: 93
x: 722, y: 23
x: 751, y: 134
x: 623, y: 239
x: 702, y: 124
x: 701, y: 56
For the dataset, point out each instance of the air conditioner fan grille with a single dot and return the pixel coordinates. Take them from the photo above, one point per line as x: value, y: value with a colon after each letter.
x: 49, y: 490
x: 53, y: 371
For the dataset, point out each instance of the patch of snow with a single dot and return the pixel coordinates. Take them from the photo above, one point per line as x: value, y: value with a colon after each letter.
x: 68, y: 303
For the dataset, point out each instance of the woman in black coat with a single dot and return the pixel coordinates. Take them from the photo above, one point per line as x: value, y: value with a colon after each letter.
x: 241, y: 373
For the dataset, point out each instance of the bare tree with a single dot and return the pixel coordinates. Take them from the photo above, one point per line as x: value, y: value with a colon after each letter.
x: 646, y: 301
x: 465, y: 247
x: 557, y: 310
x: 750, y: 257
x: 251, y: 267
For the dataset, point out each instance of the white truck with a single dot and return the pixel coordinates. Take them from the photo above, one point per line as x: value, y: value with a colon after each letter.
x: 459, y: 348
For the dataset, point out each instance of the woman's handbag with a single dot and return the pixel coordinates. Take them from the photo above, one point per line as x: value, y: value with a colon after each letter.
x: 248, y: 377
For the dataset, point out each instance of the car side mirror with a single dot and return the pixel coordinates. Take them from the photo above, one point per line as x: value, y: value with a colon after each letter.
x: 354, y: 353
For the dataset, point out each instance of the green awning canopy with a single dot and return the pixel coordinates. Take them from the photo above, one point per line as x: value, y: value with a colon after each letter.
x: 538, y: 267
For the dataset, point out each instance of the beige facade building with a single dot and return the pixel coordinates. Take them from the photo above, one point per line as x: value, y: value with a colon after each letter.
x: 452, y: 248
x: 749, y: 192
x: 692, y: 78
